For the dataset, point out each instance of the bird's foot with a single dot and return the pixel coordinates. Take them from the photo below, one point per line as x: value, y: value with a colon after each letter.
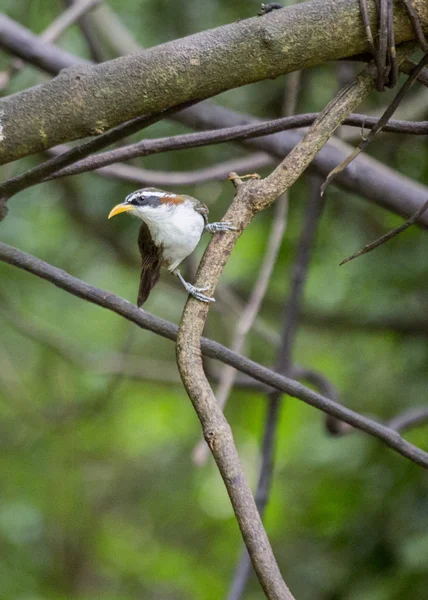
x: 196, y: 292
x: 220, y: 226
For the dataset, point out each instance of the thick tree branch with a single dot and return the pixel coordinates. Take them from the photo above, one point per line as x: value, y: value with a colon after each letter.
x: 87, y: 100
x: 211, y: 349
x: 366, y: 177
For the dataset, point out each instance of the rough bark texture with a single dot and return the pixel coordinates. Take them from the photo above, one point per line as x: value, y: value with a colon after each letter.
x: 87, y: 100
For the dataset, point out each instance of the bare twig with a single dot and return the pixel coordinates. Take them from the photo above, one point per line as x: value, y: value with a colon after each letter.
x: 409, y: 419
x: 114, y: 34
x: 417, y: 25
x: 209, y: 348
x: 388, y: 236
x: 134, y: 366
x: 53, y: 32
x: 252, y: 308
x: 45, y: 170
x: 220, y: 171
x: 367, y: 177
x: 380, y: 124
x: 239, y: 133
x: 72, y: 161
x: 89, y: 34
x: 69, y: 16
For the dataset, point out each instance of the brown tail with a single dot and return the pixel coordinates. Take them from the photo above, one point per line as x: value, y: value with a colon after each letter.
x: 150, y: 264
x: 148, y: 280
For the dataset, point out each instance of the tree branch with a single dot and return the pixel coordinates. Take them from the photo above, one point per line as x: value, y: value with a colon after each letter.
x: 86, y: 99
x: 251, y: 198
x: 367, y: 177
x: 290, y: 320
x: 238, y: 133
x: 211, y: 349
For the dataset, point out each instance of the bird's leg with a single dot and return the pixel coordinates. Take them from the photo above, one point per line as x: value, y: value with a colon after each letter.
x: 192, y: 290
x: 220, y: 226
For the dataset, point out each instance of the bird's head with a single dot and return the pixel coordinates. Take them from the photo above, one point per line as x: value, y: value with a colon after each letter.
x: 145, y: 201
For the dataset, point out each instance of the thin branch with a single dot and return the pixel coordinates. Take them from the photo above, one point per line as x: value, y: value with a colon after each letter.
x: 209, y: 348
x: 409, y: 419
x: 388, y: 236
x: 380, y: 124
x: 72, y: 161
x: 52, y: 33
x: 135, y: 366
x: 218, y: 172
x: 45, y: 170
x: 67, y: 18
x: 89, y: 35
x: 243, y: 569
x: 367, y: 177
x: 232, y: 134
x: 407, y: 67
x: 114, y: 33
x: 249, y: 314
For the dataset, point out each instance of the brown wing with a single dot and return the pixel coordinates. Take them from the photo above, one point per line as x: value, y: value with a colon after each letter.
x: 201, y: 208
x: 150, y: 264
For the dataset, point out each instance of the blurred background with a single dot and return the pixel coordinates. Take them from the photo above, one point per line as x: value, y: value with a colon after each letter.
x: 99, y: 496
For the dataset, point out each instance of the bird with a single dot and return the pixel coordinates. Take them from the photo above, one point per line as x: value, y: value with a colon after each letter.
x: 172, y: 225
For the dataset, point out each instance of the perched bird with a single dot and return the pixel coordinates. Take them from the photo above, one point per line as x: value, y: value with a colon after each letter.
x: 171, y: 229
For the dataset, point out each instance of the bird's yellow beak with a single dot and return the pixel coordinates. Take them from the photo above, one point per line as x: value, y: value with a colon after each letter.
x: 120, y: 208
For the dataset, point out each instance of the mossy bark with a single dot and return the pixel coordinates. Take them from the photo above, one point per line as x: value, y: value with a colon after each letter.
x: 86, y: 100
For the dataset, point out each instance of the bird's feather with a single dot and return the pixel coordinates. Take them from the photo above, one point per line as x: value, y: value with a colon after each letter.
x: 202, y: 209
x: 151, y: 261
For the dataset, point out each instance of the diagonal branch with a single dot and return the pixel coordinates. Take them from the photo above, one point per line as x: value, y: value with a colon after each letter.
x: 251, y: 198
x: 290, y: 320
x: 211, y: 349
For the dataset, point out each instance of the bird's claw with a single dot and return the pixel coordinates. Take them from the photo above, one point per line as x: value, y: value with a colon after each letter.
x: 220, y: 226
x: 196, y: 293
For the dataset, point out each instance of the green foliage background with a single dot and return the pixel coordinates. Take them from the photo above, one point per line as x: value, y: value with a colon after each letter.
x: 98, y: 494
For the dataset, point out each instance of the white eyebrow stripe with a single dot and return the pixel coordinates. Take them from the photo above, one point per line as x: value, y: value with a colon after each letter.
x: 157, y: 194
x: 149, y: 194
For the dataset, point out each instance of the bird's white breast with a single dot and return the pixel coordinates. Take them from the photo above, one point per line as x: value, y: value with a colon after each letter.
x: 177, y: 227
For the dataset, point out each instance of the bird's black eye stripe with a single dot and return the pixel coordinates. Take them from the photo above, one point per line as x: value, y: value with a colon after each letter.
x: 145, y: 199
